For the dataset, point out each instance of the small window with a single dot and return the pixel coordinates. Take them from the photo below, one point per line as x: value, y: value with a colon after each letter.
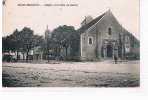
x: 109, y: 31
x: 127, y: 39
x: 90, y: 40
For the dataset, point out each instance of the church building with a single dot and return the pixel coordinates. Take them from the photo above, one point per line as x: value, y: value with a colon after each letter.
x: 104, y: 38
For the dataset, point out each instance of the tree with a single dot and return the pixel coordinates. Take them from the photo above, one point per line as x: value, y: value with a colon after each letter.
x: 10, y: 42
x: 66, y: 36
x: 22, y: 41
x: 29, y: 40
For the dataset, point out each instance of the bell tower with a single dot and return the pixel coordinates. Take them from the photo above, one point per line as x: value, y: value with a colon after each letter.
x: 47, y: 33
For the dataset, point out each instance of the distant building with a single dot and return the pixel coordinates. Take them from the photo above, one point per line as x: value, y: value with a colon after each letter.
x: 47, y: 33
x: 104, y: 38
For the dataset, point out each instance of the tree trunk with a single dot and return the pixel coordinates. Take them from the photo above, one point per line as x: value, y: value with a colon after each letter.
x: 17, y: 55
x: 66, y: 51
x: 23, y: 56
x: 27, y: 56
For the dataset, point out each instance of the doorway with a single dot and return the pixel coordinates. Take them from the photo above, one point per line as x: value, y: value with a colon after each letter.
x: 109, y: 51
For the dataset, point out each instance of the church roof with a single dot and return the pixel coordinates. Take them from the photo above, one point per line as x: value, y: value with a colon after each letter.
x: 87, y: 26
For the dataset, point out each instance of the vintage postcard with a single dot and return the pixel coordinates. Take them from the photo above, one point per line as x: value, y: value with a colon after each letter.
x: 71, y: 43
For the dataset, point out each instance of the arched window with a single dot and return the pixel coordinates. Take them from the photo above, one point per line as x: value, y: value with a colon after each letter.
x: 90, y: 40
x: 109, y: 31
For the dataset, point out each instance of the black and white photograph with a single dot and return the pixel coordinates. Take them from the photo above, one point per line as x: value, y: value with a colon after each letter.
x: 71, y: 43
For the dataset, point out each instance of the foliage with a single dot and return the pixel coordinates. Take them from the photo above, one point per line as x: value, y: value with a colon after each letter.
x: 21, y: 41
x: 62, y: 37
x: 66, y: 36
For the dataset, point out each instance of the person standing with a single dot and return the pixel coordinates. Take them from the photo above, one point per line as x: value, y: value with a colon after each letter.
x: 115, y: 59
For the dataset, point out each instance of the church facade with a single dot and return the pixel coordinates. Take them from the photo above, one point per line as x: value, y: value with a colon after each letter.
x: 104, y: 38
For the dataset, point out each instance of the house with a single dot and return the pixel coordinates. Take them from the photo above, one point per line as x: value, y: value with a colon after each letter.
x: 104, y: 38
x: 37, y: 53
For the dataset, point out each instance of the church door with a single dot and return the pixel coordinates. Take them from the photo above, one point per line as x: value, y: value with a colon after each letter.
x: 109, y: 51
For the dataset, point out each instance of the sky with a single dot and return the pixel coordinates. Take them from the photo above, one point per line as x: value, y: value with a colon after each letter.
x: 38, y: 17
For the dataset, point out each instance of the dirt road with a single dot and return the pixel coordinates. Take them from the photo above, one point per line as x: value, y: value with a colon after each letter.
x: 74, y: 74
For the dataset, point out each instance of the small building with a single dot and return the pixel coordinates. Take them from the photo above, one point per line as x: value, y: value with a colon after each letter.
x: 37, y: 53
